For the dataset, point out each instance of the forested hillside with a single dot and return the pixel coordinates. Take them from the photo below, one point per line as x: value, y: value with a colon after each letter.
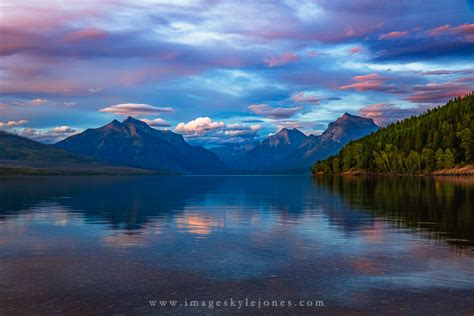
x: 441, y: 138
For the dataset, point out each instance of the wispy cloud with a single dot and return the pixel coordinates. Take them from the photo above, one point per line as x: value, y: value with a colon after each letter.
x: 373, y: 82
x: 273, y: 61
x: 441, y: 92
x: 392, y: 35
x: 274, y: 112
x: 135, y: 109
x: 386, y: 113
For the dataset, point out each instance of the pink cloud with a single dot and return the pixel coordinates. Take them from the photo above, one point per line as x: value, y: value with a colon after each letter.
x: 16, y: 40
x: 386, y: 113
x: 350, y: 32
x: 392, y: 35
x: 304, y: 98
x: 466, y: 30
x: 356, y: 50
x: 440, y: 92
x: 85, y: 34
x: 272, y: 61
x: 440, y: 29
x: 372, y: 82
x: 365, y: 83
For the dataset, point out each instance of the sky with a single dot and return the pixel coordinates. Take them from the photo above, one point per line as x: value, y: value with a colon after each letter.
x: 226, y: 72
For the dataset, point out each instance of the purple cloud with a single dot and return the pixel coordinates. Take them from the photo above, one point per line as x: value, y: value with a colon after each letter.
x: 274, y: 112
x: 386, y: 113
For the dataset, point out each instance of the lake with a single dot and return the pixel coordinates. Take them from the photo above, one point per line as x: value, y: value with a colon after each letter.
x: 119, y: 245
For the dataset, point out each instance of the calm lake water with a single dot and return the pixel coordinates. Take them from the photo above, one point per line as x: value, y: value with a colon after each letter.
x: 109, y: 245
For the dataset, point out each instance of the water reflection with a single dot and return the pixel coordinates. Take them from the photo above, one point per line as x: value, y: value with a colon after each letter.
x: 443, y: 207
x: 107, y: 244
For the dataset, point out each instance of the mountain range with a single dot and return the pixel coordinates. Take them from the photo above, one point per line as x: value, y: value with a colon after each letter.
x: 133, y: 146
x: 134, y: 143
x: 290, y: 149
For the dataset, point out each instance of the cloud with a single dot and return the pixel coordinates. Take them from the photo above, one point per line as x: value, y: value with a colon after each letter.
x: 63, y: 130
x: 274, y: 113
x: 372, y: 82
x: 33, y: 102
x: 135, y: 109
x: 356, y: 50
x: 158, y: 122
x: 447, y: 72
x: 301, y: 125
x: 69, y: 104
x: 252, y: 121
x: 441, y: 92
x: 465, y: 29
x: 95, y: 90
x: 85, y: 35
x: 203, y: 130
x: 10, y: 124
x: 38, y: 102
x: 309, y: 97
x: 242, y: 130
x: 199, y: 126
x: 55, y: 51
x: 273, y: 61
x: 392, y: 35
x: 49, y: 136
x: 304, y: 97
x: 314, y: 53
x: 386, y: 113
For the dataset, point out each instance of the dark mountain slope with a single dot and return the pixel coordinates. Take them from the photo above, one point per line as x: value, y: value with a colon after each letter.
x: 292, y: 150
x: 134, y: 143
x: 22, y: 155
x: 272, y: 150
x: 345, y: 129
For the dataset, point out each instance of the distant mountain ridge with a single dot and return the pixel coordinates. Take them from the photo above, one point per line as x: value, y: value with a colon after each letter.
x: 231, y: 153
x: 134, y: 143
x: 20, y: 155
x: 290, y: 149
x: 340, y: 132
x: 272, y: 149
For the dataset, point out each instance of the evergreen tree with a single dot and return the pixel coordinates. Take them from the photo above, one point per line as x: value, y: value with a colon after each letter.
x: 465, y: 137
x: 449, y: 159
x: 428, y: 159
x: 439, y: 156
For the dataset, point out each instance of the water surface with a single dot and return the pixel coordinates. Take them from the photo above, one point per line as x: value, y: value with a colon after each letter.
x: 109, y: 245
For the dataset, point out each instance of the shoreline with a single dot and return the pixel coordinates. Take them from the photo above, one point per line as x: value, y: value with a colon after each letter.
x: 464, y: 171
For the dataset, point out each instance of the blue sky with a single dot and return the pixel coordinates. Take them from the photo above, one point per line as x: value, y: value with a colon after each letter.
x: 228, y: 71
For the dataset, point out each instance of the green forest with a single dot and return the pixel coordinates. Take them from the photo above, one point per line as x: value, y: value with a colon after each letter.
x: 441, y: 138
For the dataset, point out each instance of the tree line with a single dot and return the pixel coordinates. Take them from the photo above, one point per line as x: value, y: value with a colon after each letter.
x: 438, y: 139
